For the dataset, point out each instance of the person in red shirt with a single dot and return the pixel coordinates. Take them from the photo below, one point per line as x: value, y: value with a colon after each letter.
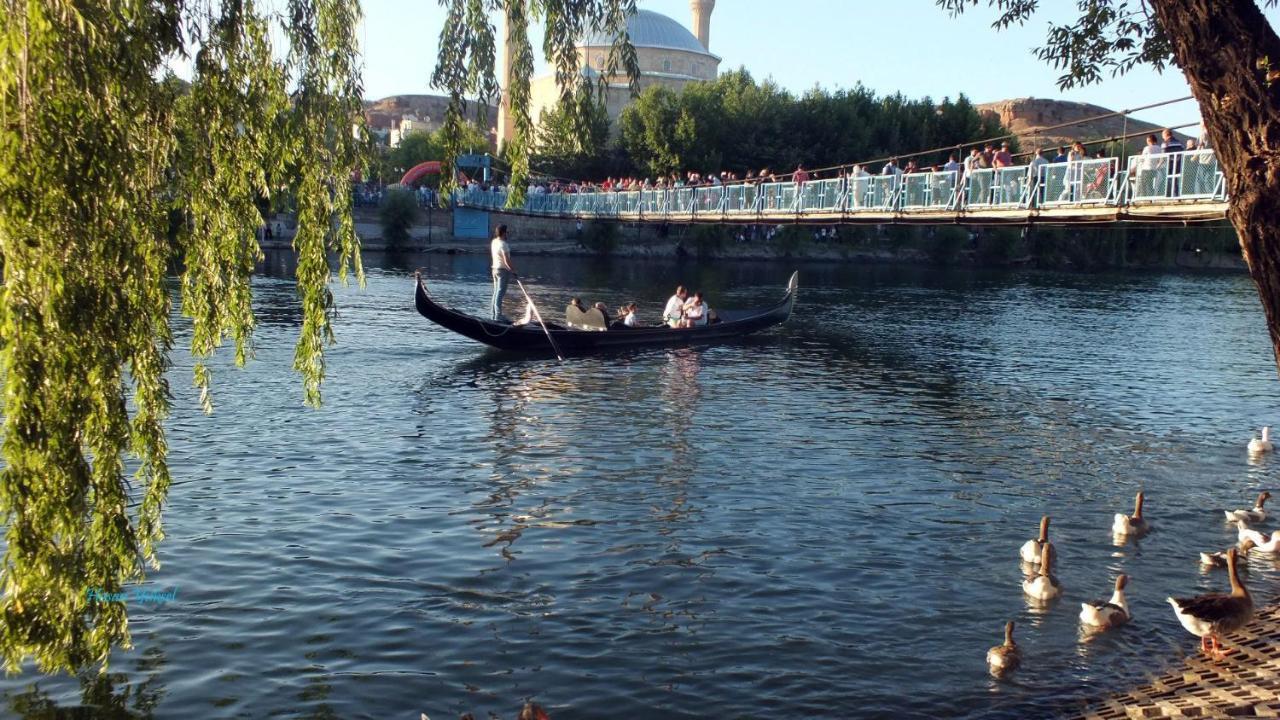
x: 1003, y: 158
x: 800, y: 177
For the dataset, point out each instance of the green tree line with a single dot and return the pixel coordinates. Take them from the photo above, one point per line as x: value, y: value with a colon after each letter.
x: 739, y: 125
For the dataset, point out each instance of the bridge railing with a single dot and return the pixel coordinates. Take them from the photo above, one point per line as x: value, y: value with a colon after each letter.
x: 1092, y: 181
x: 822, y: 196
x: 1184, y: 177
x: 929, y: 190
x: 1189, y: 175
x: 1000, y: 188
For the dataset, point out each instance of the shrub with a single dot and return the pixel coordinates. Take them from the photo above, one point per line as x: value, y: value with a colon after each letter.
x: 398, y: 213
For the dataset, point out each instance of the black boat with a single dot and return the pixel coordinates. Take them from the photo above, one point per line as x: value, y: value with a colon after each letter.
x: 578, y: 340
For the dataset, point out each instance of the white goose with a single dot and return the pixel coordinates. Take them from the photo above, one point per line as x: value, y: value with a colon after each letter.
x: 1106, y: 615
x: 1257, y: 514
x: 1003, y: 658
x: 1030, y: 552
x: 1133, y: 524
x: 1244, y: 532
x: 1043, y: 585
x: 1270, y: 547
x: 1257, y: 445
x: 1214, y: 615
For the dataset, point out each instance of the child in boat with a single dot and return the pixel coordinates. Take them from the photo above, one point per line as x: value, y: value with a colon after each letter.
x: 695, y: 311
x: 627, y: 315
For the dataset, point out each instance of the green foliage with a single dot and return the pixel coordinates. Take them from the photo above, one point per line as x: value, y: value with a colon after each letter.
x: 419, y: 147
x: 93, y: 189
x: 569, y: 148
x: 465, y: 66
x: 600, y: 237
x: 397, y: 215
x: 737, y: 124
x: 709, y: 240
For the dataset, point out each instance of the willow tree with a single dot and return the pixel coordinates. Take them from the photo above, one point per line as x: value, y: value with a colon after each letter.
x: 97, y: 150
x: 1230, y: 56
x: 465, y: 68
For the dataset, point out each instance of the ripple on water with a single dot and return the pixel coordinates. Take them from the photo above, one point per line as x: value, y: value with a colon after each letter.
x: 820, y: 520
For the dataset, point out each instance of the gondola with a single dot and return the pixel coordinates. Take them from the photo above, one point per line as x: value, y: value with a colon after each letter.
x: 574, y: 341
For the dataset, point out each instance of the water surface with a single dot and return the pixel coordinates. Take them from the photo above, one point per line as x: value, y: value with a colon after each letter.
x: 822, y: 520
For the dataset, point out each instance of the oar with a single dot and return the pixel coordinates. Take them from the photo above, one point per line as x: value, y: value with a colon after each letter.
x: 538, y: 315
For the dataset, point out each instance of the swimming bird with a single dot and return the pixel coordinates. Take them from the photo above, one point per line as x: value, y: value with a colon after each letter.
x: 1133, y: 524
x: 1043, y: 585
x: 1004, y: 658
x: 1270, y: 547
x: 1214, y: 615
x: 1219, y: 559
x: 1257, y: 514
x: 1257, y: 445
x: 1244, y: 532
x: 533, y: 711
x: 1111, y: 613
x: 1030, y: 552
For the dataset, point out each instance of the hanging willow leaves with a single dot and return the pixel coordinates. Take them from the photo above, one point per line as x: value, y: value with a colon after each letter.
x: 465, y: 67
x: 97, y: 151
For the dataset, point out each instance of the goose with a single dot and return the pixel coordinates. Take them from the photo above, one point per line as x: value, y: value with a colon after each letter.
x: 1003, y: 658
x: 1257, y: 514
x: 1030, y: 552
x: 1043, y: 586
x: 1244, y: 532
x: 533, y: 711
x: 1270, y: 547
x: 1219, y: 559
x: 1261, y: 445
x: 1133, y: 524
x: 1214, y: 615
x: 1109, y: 614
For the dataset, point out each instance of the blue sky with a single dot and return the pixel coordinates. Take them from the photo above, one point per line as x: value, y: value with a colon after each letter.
x: 908, y: 46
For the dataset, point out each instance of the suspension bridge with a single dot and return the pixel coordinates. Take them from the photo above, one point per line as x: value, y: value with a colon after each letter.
x: 1175, y: 187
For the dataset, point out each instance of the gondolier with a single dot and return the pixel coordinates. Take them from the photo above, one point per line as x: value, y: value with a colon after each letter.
x: 502, y: 271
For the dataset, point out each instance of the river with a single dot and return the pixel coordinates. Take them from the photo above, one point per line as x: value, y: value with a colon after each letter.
x: 821, y: 520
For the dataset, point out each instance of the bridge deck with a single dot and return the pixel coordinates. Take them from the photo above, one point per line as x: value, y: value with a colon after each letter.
x: 1245, y: 684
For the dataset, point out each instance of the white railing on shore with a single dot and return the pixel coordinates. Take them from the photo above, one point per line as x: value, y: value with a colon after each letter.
x: 1169, y: 178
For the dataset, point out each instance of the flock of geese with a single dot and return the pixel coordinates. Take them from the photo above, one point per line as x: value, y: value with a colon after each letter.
x: 1207, y: 616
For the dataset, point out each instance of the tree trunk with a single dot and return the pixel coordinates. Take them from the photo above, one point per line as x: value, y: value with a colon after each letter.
x: 1231, y: 57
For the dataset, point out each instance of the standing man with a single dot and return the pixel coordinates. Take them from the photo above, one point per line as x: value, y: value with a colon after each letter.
x: 502, y: 271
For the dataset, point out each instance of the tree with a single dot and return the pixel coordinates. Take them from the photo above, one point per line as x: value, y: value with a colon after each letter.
x: 564, y: 149
x: 464, y: 69
x: 90, y: 171
x: 397, y: 215
x: 1225, y: 48
x: 736, y: 124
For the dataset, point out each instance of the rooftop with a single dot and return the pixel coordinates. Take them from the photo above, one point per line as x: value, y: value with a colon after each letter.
x: 653, y: 30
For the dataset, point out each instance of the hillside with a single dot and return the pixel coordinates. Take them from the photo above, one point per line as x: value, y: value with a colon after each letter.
x: 388, y: 112
x: 1026, y: 116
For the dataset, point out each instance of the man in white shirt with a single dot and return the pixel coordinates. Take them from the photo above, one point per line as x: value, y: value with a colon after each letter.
x: 674, y: 311
x: 500, y: 253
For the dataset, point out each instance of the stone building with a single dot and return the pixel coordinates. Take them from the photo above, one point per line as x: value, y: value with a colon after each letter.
x: 667, y: 52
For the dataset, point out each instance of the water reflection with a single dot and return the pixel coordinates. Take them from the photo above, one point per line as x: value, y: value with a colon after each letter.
x: 102, y: 696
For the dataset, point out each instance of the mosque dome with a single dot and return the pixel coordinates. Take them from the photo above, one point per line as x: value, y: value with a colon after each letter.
x: 649, y: 29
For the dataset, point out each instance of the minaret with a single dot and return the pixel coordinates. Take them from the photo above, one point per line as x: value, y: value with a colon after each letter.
x: 506, y: 121
x: 702, y: 20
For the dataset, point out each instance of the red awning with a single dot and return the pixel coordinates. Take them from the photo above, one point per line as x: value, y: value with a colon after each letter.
x: 430, y: 167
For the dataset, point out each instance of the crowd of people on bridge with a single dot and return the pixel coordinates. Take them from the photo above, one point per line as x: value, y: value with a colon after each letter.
x: 1079, y: 178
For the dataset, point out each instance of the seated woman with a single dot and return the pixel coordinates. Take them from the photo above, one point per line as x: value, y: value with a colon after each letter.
x: 695, y: 311
x: 627, y: 316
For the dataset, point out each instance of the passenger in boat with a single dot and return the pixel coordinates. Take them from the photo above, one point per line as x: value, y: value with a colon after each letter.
x: 627, y: 316
x: 674, y: 311
x: 695, y: 311
x: 503, y: 272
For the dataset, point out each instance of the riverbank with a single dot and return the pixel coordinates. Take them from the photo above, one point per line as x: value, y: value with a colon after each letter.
x: 1073, y: 248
